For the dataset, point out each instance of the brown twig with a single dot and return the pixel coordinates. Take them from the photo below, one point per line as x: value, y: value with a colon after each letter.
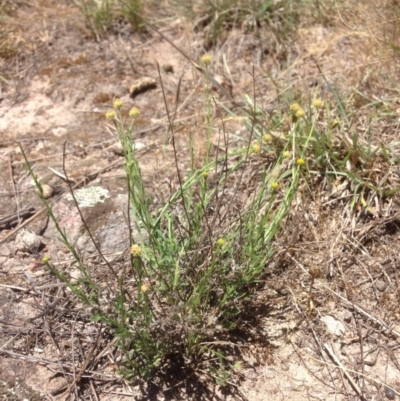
x: 361, y: 350
x: 178, y: 172
x: 335, y: 359
x: 85, y: 363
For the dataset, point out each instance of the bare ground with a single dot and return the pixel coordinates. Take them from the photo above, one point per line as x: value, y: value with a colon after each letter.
x: 59, y: 82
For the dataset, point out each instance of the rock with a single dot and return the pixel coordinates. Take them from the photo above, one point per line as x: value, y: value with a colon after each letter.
x: 334, y: 326
x: 75, y: 274
x: 47, y: 191
x: 89, y: 196
x: 104, y: 210
x: 389, y: 393
x: 168, y: 68
x: 27, y: 241
x: 347, y: 316
x: 117, y: 149
x: 381, y: 285
x: 139, y: 145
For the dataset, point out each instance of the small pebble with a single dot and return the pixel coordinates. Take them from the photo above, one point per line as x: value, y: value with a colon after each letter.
x: 168, y: 68
x: 347, y: 316
x: 389, y: 393
x: 381, y: 285
x: 117, y: 149
x: 27, y: 241
x: 47, y: 191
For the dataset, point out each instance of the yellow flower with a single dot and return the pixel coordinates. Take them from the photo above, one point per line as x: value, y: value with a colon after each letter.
x: 45, y: 259
x: 300, y: 162
x: 294, y: 107
x: 204, y: 174
x: 206, y: 59
x: 144, y: 288
x: 300, y: 113
x: 220, y: 242
x: 118, y: 103
x: 318, y: 104
x: 286, y: 154
x: 134, y: 112
x: 274, y: 185
x: 256, y: 148
x: 110, y: 115
x: 136, y: 251
x: 267, y: 138
x: 297, y: 111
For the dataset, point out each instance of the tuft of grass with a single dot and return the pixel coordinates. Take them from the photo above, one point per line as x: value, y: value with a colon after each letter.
x: 198, y: 258
x: 100, y: 15
x: 216, y: 17
x: 202, y: 254
x: 126, y: 10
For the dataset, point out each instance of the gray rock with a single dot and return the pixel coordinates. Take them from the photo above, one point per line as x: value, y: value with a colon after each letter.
x: 104, y: 212
x: 381, y: 285
x: 334, y: 326
x: 389, y: 393
x: 27, y: 241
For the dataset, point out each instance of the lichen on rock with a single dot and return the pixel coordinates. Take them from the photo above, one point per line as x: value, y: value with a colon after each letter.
x: 90, y: 196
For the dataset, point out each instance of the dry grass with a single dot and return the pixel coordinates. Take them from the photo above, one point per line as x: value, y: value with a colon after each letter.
x: 345, y: 224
